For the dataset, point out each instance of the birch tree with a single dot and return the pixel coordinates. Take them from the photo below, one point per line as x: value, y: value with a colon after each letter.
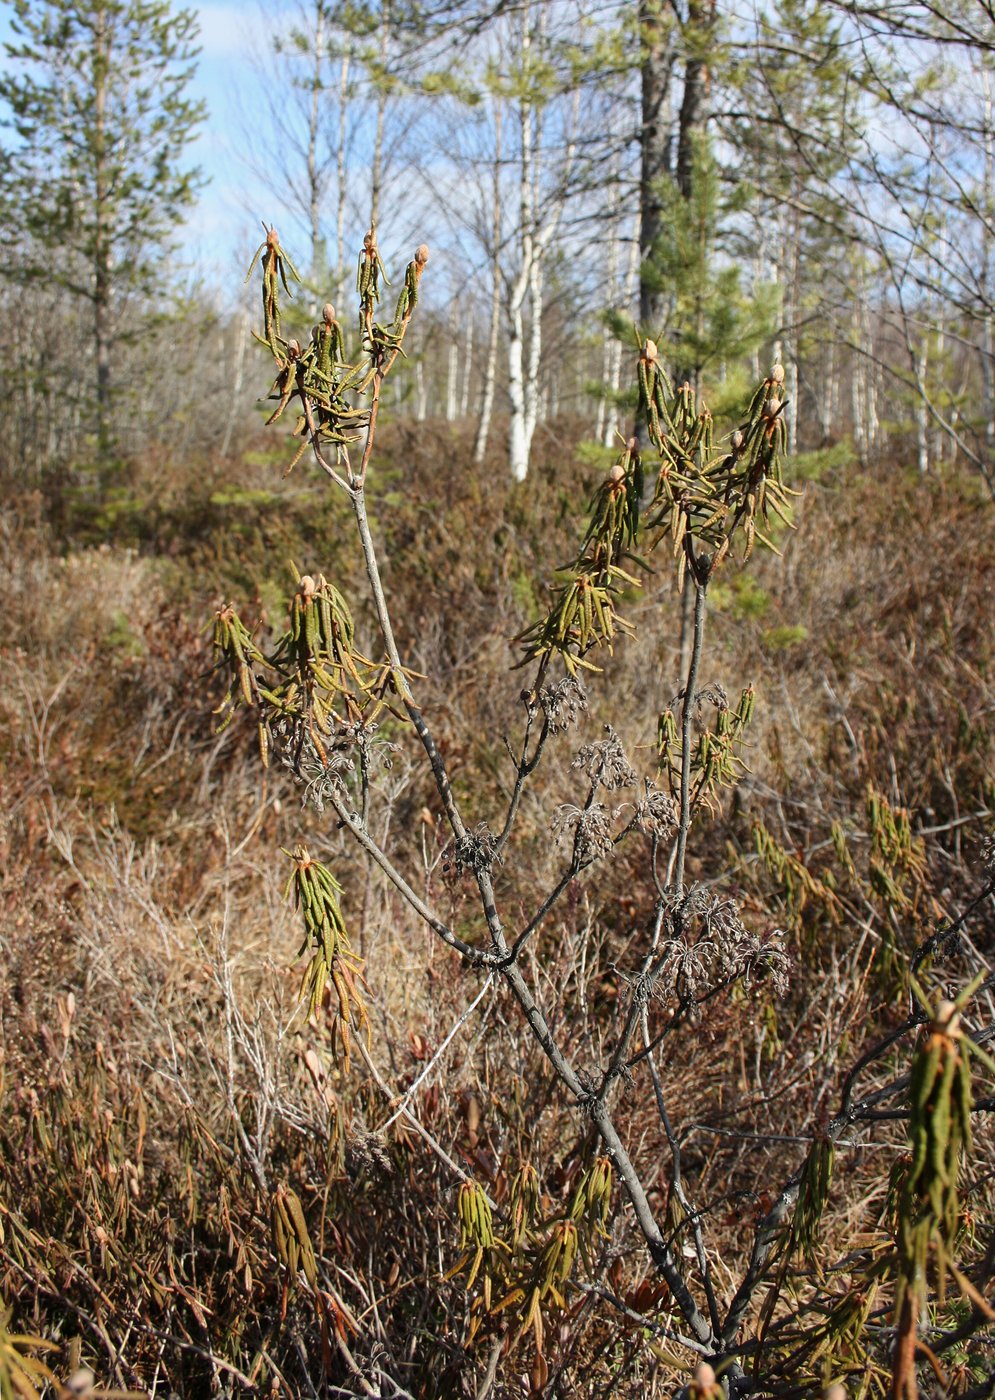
x: 542, y: 195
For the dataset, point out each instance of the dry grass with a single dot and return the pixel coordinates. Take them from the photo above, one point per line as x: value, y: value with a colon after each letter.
x: 158, y: 1083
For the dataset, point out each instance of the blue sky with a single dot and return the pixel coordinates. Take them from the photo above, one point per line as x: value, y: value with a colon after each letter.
x: 223, y: 228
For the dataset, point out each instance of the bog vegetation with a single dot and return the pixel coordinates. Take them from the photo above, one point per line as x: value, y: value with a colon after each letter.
x: 499, y: 875
x: 640, y: 1041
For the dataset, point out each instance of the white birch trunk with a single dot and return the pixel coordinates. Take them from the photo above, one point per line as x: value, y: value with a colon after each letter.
x: 518, y: 446
x: 235, y: 393
x: 519, y: 438
x: 535, y: 236
x: 464, y: 402
x: 342, y: 188
x: 858, y: 382
x: 922, y: 414
x: 615, y: 371
x: 607, y: 339
x: 376, y: 169
x: 452, y: 367
x: 314, y: 177
x: 494, y: 335
x: 533, y: 398
x: 421, y: 392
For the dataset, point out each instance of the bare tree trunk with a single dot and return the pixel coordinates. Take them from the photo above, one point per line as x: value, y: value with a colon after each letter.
x: 319, y: 256
x: 922, y: 413
x: 791, y: 318
x: 342, y: 183
x: 532, y: 390
x: 493, y: 339
x: 518, y: 446
x: 421, y: 392
x: 464, y: 402
x: 608, y: 340
x: 987, y: 281
x: 103, y: 291
x: 858, y: 383
x: 939, y: 440
x: 700, y: 22
x: 236, y: 387
x: 656, y: 68
x: 535, y: 235
x: 452, y: 365
x: 519, y: 438
x: 758, y: 279
x: 376, y: 169
x: 629, y: 287
x: 873, y: 422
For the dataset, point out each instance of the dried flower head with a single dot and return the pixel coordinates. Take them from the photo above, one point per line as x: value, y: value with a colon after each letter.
x: 591, y: 829
x: 563, y: 703
x: 711, y: 946
x: 474, y: 851
x: 325, y: 779
x: 605, y: 762
x: 658, y: 812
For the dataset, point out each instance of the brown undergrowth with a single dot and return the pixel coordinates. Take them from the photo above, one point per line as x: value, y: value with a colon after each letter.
x: 160, y: 1088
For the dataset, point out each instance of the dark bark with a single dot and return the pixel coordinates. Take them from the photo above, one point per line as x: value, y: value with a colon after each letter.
x: 103, y: 289
x: 657, y: 63
x: 700, y: 33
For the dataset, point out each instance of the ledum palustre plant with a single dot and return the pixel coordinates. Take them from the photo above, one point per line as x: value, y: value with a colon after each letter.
x: 319, y: 699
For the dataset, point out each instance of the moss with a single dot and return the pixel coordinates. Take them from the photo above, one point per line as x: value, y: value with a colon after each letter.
x: 123, y: 637
x: 781, y: 638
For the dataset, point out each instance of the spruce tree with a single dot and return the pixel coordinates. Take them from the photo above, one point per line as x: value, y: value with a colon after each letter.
x: 93, y: 179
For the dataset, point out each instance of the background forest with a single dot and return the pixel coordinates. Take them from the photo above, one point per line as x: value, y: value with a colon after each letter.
x: 707, y: 308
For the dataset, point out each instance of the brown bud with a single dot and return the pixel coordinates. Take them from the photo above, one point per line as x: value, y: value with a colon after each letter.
x: 777, y: 374
x: 421, y: 254
x: 328, y: 314
x: 272, y: 238
x: 947, y: 1020
x: 737, y: 440
x: 616, y: 474
x: 306, y: 587
x: 81, y: 1382
x: 650, y: 352
x: 704, y: 1374
x: 772, y: 407
x: 293, y: 348
x: 835, y: 1392
x: 632, y: 445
